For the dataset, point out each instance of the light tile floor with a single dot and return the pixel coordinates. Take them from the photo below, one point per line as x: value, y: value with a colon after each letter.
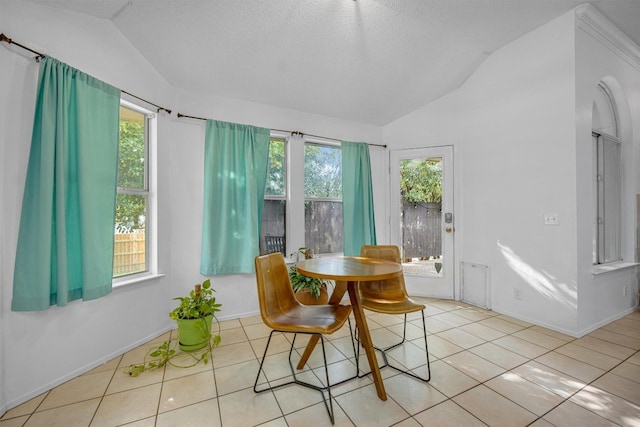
x: 487, y: 369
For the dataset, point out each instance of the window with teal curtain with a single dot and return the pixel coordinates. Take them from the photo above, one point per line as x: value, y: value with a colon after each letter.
x: 65, y: 241
x: 357, y: 198
x: 235, y: 172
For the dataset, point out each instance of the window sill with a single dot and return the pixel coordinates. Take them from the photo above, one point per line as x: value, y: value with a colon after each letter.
x: 614, y: 266
x: 133, y: 280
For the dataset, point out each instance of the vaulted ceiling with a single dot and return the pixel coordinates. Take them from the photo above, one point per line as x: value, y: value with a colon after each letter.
x: 370, y: 61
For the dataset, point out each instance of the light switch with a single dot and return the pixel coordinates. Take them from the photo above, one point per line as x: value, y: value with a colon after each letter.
x: 551, y: 219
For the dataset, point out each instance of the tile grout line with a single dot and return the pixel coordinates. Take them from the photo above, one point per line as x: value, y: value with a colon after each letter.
x: 387, y: 328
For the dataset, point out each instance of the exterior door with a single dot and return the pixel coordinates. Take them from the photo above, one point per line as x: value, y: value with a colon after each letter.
x: 422, y: 218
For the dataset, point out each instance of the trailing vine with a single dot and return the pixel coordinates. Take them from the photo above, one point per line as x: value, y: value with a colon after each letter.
x: 168, y: 353
x: 197, y: 306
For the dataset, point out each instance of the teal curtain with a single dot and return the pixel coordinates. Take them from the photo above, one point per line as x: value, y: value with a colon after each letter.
x: 65, y: 241
x: 357, y: 198
x: 235, y: 171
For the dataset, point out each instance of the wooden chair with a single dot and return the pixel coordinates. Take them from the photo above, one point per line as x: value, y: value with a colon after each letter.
x: 281, y: 312
x: 390, y: 297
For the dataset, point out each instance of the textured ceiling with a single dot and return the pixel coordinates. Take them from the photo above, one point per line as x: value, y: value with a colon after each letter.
x: 370, y: 61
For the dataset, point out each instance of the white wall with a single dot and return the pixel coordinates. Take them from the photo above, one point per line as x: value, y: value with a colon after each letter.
x: 517, y: 164
x: 511, y: 124
x: 237, y: 293
x: 601, y: 297
x: 42, y: 349
x: 515, y: 124
x: 39, y: 350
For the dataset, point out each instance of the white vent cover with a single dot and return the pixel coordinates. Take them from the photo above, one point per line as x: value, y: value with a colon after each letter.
x: 474, y: 279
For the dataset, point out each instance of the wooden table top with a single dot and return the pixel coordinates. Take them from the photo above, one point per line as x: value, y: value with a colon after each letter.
x: 349, y: 268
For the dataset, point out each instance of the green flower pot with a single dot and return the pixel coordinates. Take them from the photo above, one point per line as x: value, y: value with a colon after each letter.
x: 194, y: 334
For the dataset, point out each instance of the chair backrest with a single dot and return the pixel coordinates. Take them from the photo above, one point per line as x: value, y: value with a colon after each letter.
x: 390, y: 289
x: 275, y: 293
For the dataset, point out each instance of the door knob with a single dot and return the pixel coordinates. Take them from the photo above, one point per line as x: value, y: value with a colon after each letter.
x: 448, y: 229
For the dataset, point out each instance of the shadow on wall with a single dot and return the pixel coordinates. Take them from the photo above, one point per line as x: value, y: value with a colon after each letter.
x: 542, y: 282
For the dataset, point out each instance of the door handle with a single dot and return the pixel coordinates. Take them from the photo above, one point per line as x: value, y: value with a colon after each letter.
x: 448, y: 229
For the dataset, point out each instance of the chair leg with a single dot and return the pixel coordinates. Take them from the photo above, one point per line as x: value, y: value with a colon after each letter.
x: 264, y: 356
x: 353, y: 345
x: 426, y: 348
x: 383, y: 351
x: 404, y: 336
x: 326, y: 372
x: 355, y: 352
x: 328, y: 403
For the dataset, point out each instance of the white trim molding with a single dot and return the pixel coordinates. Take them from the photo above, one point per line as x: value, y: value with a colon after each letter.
x: 596, y: 25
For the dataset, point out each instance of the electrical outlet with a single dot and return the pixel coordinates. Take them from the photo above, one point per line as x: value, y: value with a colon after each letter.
x: 517, y: 294
x: 625, y: 291
x: 551, y: 219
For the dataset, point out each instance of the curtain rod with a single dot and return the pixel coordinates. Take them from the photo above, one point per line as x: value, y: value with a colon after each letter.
x: 40, y: 55
x: 292, y: 132
x: 6, y: 39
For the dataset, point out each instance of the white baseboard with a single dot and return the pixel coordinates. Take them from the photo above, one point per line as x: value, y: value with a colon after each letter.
x: 76, y: 372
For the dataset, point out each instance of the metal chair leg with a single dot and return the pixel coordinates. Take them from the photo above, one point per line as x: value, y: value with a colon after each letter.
x: 383, y: 351
x: 264, y: 355
x: 328, y: 402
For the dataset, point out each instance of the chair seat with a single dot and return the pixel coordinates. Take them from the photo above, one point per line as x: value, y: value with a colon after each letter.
x: 381, y: 305
x: 390, y: 296
x: 313, y: 319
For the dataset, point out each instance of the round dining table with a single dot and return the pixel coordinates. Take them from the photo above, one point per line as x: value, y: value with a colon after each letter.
x: 348, y: 272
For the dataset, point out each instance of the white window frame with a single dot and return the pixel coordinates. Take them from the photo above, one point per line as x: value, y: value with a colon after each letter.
x: 608, y: 209
x: 151, y: 231
x: 279, y: 135
x: 294, y: 183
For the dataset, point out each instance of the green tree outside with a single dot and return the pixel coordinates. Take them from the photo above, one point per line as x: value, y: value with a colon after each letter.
x: 276, y: 170
x: 421, y: 180
x: 323, y: 171
x: 131, y: 208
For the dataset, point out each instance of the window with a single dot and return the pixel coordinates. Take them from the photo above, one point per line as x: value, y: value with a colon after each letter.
x: 607, y: 186
x: 131, y: 236
x: 273, y: 230
x: 303, y: 196
x: 323, y: 198
x: 421, y: 215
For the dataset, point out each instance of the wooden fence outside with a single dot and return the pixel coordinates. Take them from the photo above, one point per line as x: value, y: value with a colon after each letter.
x: 129, y: 253
x: 422, y: 233
x: 323, y: 225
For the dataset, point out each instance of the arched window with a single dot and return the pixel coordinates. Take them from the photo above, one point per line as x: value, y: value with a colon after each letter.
x: 607, y: 184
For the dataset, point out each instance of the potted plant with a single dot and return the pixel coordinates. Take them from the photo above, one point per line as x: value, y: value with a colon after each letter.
x: 308, y: 290
x: 194, y: 316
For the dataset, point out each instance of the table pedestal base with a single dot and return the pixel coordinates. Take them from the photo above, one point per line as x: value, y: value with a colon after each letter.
x: 363, y: 330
